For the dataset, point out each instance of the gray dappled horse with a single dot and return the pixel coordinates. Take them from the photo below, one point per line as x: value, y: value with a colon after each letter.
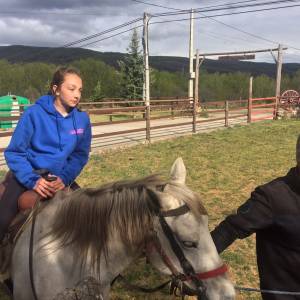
x: 98, y: 232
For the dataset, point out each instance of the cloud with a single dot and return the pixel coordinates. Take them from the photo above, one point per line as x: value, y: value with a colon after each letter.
x: 58, y: 22
x: 58, y: 4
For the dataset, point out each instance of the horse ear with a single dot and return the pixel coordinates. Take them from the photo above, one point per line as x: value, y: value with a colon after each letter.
x: 178, y: 171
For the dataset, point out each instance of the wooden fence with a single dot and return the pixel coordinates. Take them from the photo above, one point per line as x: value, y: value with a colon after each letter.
x: 118, y: 111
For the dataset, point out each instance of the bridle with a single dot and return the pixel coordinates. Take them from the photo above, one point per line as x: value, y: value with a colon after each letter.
x: 189, y: 274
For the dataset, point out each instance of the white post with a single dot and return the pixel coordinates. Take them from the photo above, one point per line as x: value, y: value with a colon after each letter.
x: 146, y: 75
x: 15, y: 110
x: 278, y: 79
x: 191, y: 56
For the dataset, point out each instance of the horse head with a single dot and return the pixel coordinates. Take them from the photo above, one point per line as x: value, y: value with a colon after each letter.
x: 182, y: 246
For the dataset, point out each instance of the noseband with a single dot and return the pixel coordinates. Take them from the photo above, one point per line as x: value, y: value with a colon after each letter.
x: 189, y: 274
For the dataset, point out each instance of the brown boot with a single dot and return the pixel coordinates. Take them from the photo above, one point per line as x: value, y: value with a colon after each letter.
x: 5, y: 256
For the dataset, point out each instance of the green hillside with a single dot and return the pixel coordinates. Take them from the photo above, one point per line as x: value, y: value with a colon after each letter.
x: 21, y: 54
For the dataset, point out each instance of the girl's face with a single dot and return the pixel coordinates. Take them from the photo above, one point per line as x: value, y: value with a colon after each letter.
x: 69, y: 92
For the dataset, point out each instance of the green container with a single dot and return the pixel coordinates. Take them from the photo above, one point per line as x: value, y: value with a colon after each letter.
x: 10, y: 106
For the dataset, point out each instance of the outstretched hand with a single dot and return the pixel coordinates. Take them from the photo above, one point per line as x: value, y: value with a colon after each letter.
x: 48, y: 188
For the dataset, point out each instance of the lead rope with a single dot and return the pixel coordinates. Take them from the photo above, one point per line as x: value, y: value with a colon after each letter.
x: 34, y: 215
x: 275, y: 292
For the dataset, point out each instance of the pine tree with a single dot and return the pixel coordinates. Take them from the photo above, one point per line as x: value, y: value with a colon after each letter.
x: 132, y: 70
x: 97, y: 92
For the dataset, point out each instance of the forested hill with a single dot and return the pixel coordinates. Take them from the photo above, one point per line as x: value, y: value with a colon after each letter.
x: 21, y: 54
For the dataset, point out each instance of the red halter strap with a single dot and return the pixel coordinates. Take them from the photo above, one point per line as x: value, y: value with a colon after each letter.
x: 204, y: 275
x: 210, y: 274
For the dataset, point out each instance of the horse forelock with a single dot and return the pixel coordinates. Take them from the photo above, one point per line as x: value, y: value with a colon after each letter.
x: 186, y: 195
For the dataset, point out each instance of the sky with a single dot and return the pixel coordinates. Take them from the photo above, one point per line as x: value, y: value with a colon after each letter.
x: 59, y: 22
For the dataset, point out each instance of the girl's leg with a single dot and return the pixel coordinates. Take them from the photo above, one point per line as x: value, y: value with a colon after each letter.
x: 9, y: 204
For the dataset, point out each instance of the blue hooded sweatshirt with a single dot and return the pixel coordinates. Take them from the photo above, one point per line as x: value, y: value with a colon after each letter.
x: 44, y: 139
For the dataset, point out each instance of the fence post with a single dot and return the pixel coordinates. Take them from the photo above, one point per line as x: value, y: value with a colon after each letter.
x: 226, y: 113
x: 110, y: 116
x: 172, y: 110
x: 194, y: 115
x: 148, y: 133
x: 250, y: 101
x: 276, y: 108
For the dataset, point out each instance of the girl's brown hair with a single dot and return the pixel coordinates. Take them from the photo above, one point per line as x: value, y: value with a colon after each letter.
x: 59, y: 76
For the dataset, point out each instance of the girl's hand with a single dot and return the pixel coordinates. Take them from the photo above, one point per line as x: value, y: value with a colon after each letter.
x: 58, y: 184
x: 44, y: 188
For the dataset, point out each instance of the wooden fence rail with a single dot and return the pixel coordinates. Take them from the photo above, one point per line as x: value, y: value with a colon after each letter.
x: 115, y: 111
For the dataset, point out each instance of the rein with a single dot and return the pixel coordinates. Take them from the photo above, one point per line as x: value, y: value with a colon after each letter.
x: 263, y: 291
x: 44, y: 173
x: 34, y: 215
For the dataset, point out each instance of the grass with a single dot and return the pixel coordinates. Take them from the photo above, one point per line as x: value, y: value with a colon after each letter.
x: 223, y: 167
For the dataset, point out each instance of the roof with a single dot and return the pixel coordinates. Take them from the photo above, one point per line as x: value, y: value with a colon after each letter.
x: 9, y: 98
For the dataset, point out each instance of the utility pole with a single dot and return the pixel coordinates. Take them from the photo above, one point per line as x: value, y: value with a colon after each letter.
x: 278, y: 78
x: 196, y: 88
x: 146, y: 91
x: 191, y: 56
x: 196, y: 93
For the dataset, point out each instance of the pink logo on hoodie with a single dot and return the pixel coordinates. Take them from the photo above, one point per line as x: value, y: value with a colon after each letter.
x: 78, y: 131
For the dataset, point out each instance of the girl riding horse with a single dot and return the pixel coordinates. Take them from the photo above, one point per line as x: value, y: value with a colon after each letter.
x: 52, y: 134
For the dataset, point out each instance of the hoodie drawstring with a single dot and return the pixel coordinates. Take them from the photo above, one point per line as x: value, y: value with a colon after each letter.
x: 58, y: 133
x: 75, y: 128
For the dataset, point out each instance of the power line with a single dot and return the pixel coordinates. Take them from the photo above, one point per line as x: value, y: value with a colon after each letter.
x: 228, y: 14
x: 204, y: 16
x: 139, y: 19
x: 211, y: 34
x: 235, y: 28
x: 156, y: 5
x: 166, y: 21
x: 215, y: 35
x: 131, y: 22
x: 124, y: 25
x: 227, y: 25
x: 110, y: 36
x: 25, y: 12
x: 102, y: 33
x: 229, y: 5
x: 251, y: 34
x: 200, y: 10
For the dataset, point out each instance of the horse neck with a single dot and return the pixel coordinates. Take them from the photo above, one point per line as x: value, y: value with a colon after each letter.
x: 119, y: 258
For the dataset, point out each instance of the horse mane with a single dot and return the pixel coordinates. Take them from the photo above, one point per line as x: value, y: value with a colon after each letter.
x: 88, y: 216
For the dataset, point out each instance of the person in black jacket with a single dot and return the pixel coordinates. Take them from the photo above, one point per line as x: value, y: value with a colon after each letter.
x: 273, y: 213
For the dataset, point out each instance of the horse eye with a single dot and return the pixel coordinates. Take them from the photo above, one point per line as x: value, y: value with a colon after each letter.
x: 189, y: 244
